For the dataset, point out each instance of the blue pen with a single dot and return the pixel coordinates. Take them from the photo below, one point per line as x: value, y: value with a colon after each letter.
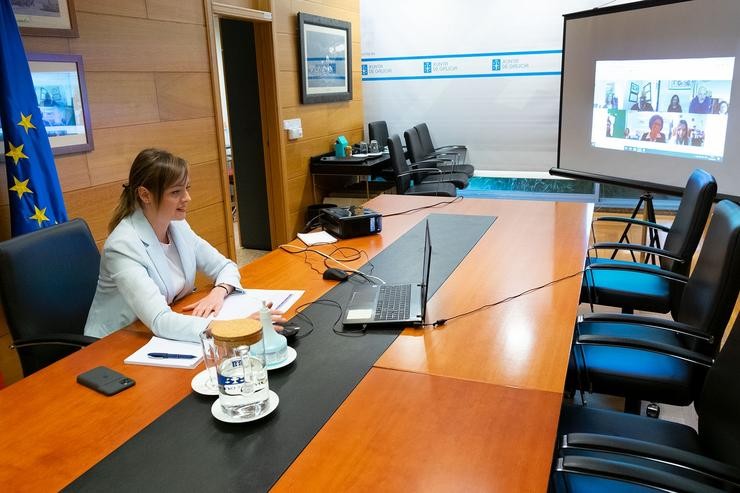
x: 170, y: 356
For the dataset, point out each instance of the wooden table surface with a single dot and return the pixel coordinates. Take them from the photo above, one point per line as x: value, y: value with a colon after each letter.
x: 476, y: 374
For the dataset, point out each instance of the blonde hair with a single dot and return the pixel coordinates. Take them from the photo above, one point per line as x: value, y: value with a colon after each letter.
x: 155, y: 170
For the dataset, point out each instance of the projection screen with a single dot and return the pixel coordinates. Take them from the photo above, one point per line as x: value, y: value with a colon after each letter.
x: 647, y: 93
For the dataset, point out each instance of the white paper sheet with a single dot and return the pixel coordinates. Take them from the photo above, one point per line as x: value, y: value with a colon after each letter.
x: 240, y: 305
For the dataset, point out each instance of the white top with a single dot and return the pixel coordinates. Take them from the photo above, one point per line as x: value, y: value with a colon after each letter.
x: 135, y: 280
x: 177, y: 275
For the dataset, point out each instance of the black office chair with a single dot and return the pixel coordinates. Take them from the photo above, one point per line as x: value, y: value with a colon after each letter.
x: 420, y: 160
x: 403, y: 175
x: 600, y: 450
x: 47, y: 283
x: 378, y: 131
x: 427, y: 145
x: 635, y: 290
x: 645, y: 358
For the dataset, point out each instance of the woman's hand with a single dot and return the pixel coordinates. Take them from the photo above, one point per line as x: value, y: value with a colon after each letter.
x: 277, y: 317
x: 210, y: 305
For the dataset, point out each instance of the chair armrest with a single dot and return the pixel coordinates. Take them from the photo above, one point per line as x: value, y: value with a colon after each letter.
x: 654, y: 452
x: 636, y: 248
x: 621, y: 471
x: 639, y: 268
x: 643, y: 345
x: 637, y: 222
x: 77, y: 340
x: 420, y: 171
x: 658, y: 323
x: 458, y: 147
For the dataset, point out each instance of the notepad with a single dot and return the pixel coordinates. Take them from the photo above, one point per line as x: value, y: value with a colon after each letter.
x: 160, y: 345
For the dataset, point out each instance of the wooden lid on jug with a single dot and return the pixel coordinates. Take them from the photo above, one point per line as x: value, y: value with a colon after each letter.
x: 239, y: 332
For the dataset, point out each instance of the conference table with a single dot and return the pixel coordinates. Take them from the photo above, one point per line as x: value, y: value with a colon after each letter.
x: 470, y: 405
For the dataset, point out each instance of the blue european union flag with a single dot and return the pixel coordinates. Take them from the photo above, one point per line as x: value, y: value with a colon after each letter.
x: 35, y: 195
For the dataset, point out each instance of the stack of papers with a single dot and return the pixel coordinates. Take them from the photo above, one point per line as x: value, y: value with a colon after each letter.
x: 159, y: 345
x: 318, y: 238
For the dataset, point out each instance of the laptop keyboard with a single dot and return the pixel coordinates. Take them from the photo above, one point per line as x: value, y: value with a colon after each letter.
x: 393, y: 302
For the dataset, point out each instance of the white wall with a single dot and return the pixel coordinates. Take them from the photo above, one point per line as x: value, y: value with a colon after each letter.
x: 506, y: 114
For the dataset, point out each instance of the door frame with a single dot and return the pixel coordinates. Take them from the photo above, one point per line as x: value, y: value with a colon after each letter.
x: 270, y: 116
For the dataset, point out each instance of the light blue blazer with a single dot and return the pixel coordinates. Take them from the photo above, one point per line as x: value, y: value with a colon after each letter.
x: 135, y: 282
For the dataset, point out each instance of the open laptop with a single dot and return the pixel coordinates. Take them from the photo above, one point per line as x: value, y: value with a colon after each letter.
x: 391, y: 305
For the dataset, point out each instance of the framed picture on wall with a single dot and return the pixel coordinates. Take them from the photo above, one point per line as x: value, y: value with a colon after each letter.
x: 326, y: 59
x: 59, y: 83
x: 46, y: 17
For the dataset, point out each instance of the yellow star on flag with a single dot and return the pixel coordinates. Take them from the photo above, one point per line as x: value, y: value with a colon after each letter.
x: 39, y: 215
x: 26, y: 122
x: 20, y: 187
x: 16, y: 153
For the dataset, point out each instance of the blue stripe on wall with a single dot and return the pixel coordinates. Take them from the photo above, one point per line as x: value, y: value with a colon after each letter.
x: 461, y: 55
x: 463, y: 76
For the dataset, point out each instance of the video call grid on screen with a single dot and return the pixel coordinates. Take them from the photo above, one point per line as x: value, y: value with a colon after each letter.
x: 649, y: 31
x: 673, y: 107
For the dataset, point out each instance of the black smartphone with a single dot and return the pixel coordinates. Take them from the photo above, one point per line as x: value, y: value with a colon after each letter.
x: 104, y: 380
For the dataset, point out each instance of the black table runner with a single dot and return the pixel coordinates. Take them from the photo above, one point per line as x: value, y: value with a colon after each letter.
x: 187, y: 449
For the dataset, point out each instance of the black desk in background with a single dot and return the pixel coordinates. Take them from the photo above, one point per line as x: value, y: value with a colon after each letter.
x: 326, y: 165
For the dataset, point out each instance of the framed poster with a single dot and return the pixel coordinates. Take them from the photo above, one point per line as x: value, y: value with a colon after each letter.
x: 326, y: 59
x: 59, y: 83
x: 46, y: 17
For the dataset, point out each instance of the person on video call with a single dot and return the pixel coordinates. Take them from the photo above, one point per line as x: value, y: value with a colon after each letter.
x: 655, y: 134
x: 151, y: 256
x: 675, y: 106
x: 722, y: 107
x: 611, y: 102
x: 701, y: 102
x: 643, y: 104
x: 682, y: 133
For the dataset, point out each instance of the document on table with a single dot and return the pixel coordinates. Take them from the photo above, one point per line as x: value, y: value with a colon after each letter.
x: 240, y: 305
x: 167, y: 346
x: 318, y: 238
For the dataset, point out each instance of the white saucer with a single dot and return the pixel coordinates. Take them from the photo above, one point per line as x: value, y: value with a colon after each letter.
x: 290, y: 357
x: 199, y: 383
x: 219, y: 414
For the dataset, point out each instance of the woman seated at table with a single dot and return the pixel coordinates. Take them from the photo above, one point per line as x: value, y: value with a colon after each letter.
x: 151, y: 256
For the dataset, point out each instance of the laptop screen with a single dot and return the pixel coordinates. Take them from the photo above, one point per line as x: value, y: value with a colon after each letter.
x: 425, y: 271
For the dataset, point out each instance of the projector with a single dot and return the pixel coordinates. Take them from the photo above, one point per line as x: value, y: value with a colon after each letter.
x: 349, y: 222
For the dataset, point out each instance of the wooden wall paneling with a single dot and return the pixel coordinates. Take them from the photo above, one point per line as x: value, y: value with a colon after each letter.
x: 203, y: 185
x: 181, y: 96
x: 4, y: 222
x: 72, y: 171
x: 115, y: 148
x: 209, y: 223
x: 113, y: 43
x: 127, y: 8
x: 46, y: 44
x: 287, y: 53
x: 300, y: 193
x: 290, y: 91
x: 121, y: 98
x: 190, y: 11
x: 95, y: 205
